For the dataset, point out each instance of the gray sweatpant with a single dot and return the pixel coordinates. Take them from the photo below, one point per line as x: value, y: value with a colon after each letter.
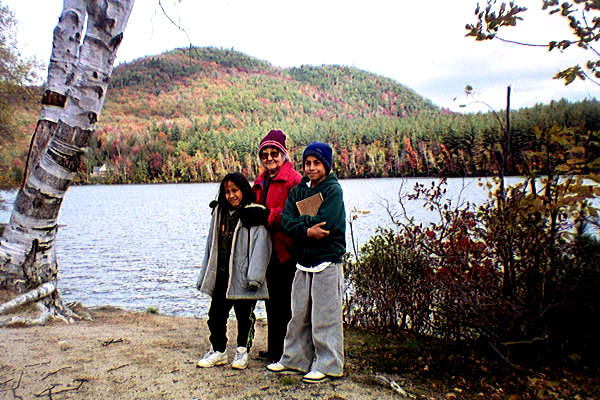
x: 315, y: 338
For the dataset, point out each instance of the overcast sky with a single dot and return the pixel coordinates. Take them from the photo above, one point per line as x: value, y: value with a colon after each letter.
x: 420, y: 44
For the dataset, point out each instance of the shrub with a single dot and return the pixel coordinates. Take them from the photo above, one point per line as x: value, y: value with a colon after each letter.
x: 512, y: 273
x: 388, y: 285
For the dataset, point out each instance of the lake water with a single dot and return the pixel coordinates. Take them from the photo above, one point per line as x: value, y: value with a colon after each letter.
x: 139, y: 246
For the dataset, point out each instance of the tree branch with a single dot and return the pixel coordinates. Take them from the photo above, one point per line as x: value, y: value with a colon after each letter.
x: 521, y: 43
x: 515, y: 366
x: 174, y: 23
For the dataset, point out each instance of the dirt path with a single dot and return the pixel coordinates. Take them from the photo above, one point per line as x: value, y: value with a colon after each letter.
x: 125, y: 355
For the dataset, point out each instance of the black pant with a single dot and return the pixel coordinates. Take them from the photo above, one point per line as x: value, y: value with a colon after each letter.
x: 279, y: 306
x: 218, y: 314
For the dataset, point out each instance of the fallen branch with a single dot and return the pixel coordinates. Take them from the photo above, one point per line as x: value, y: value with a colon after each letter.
x: 111, y: 341
x: 34, y: 295
x: 54, y: 372
x: 506, y: 360
x: 49, y: 390
x: 59, y: 311
x: 394, y: 386
x: 532, y: 341
x: 37, y: 364
x: 14, y: 388
x: 76, y: 310
x: 116, y: 368
x: 68, y: 389
x: 5, y: 382
x: 18, y: 320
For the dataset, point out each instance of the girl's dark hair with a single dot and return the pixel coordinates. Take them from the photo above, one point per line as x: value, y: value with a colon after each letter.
x: 239, y: 180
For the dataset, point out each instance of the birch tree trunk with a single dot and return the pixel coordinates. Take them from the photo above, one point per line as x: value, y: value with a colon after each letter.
x: 84, y: 48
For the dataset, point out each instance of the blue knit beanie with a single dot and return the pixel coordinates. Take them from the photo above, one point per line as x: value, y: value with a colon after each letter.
x: 320, y: 150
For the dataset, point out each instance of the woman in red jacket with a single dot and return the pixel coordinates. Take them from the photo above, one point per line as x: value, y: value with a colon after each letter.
x: 272, y: 187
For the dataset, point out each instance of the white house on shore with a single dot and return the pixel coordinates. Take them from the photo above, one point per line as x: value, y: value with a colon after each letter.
x: 99, y: 171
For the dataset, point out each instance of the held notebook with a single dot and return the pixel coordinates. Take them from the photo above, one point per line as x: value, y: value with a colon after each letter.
x: 310, y: 205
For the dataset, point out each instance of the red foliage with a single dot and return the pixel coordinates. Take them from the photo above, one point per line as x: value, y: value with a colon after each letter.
x: 155, y: 164
x: 410, y: 153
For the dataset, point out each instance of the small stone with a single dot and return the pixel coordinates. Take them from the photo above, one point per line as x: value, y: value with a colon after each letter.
x: 64, y: 345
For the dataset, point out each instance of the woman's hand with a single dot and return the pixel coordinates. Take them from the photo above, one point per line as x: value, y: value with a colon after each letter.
x: 316, y: 232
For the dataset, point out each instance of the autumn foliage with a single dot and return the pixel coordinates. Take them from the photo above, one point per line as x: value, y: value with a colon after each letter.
x: 513, y: 279
x: 192, y: 115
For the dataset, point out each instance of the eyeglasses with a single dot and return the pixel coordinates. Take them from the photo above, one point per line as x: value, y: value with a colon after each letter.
x: 266, y: 154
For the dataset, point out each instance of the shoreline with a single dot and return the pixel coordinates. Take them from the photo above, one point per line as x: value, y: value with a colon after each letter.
x: 124, y: 354
x: 128, y: 355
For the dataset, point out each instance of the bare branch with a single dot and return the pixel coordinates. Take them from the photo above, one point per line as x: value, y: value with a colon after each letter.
x: 111, y: 341
x: 54, y: 372
x: 116, y: 368
x: 174, y: 23
x: 506, y: 360
x: 520, y: 43
x: 499, y: 15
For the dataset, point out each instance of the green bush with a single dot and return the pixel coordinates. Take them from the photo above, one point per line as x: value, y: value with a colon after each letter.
x: 388, y: 285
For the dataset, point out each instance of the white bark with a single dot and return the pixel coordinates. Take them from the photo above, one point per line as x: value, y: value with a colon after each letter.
x: 44, y: 315
x: 78, y: 76
x: 65, y: 53
x: 40, y: 292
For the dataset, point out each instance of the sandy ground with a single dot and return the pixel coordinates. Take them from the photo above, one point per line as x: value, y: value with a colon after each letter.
x: 137, y: 355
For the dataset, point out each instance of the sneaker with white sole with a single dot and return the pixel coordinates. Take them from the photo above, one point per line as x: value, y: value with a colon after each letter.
x: 240, y: 360
x: 314, y: 377
x: 212, y: 358
x: 279, y: 368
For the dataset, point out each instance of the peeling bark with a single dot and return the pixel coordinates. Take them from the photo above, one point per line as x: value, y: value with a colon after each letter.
x: 84, y: 49
x: 19, y: 320
x: 40, y: 292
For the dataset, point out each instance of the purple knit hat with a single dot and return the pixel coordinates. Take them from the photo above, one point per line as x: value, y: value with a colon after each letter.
x: 274, y: 138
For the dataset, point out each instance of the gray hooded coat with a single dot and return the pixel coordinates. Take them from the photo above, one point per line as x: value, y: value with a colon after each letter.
x: 250, y: 255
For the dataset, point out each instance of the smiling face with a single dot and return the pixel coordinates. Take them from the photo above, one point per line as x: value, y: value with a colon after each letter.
x: 314, y: 170
x: 272, y: 159
x: 233, y: 194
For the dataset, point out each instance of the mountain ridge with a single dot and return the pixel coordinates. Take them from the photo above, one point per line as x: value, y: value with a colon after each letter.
x: 359, y: 90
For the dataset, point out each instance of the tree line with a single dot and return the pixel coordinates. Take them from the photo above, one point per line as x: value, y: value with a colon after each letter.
x: 191, y: 115
x: 427, y: 144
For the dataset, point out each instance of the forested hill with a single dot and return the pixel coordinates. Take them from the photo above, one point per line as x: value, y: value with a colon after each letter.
x: 228, y: 76
x: 192, y: 115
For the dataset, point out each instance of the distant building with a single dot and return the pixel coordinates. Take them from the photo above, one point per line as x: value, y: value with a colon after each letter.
x: 99, y: 171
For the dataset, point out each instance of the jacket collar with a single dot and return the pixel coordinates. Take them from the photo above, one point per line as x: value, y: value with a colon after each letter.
x: 285, y: 172
x: 328, y: 180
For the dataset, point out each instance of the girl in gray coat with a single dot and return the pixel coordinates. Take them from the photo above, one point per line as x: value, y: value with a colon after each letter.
x: 234, y: 268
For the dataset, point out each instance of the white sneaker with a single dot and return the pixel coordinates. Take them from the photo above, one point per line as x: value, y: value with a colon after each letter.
x: 212, y: 358
x: 240, y: 360
x: 314, y: 377
x: 279, y: 368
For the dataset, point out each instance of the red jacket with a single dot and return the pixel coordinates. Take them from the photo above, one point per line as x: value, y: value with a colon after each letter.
x: 287, y: 177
